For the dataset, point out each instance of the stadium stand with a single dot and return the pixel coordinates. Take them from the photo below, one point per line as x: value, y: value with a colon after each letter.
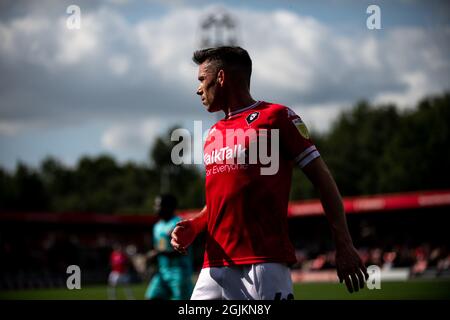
x: 404, y: 234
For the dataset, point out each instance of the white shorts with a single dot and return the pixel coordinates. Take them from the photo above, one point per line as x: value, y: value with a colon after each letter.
x: 116, y: 278
x: 263, y: 281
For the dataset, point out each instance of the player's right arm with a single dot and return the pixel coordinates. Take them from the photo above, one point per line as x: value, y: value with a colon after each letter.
x: 186, y: 231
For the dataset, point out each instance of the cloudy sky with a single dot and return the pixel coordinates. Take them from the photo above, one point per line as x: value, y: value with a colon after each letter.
x: 126, y: 75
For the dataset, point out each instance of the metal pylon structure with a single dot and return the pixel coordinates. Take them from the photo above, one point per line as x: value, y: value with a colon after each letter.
x: 218, y: 28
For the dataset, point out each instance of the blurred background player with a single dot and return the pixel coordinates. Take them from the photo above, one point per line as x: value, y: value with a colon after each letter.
x: 119, y: 275
x: 173, y: 280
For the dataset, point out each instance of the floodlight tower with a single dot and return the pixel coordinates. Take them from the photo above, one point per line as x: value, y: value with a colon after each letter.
x: 218, y: 28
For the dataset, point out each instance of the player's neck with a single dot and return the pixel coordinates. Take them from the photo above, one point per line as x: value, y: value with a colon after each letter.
x: 238, y: 101
x: 167, y: 218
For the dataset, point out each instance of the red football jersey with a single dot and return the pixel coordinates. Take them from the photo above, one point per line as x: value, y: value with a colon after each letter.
x: 118, y: 261
x: 247, y: 210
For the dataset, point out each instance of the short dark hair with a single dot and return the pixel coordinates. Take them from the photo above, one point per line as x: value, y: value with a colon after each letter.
x: 168, y: 201
x: 227, y: 58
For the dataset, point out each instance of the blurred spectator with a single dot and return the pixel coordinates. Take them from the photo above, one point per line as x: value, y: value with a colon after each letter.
x: 389, y: 259
x: 37, y: 256
x: 120, y: 274
x: 375, y: 257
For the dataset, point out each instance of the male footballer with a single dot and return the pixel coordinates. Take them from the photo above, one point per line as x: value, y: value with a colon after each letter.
x: 248, y: 252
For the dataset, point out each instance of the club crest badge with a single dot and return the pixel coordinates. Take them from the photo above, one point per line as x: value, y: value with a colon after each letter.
x: 252, y: 117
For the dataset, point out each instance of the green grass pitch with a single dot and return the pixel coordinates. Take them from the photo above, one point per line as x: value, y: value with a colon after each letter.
x: 417, y: 289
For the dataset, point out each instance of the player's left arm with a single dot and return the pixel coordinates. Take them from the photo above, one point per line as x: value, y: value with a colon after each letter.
x: 350, y: 267
x: 298, y: 146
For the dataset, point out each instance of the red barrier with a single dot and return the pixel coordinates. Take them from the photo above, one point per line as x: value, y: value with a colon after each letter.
x: 374, y: 203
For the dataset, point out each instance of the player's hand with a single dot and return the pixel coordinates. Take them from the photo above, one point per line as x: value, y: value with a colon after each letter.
x: 350, y: 268
x: 182, y: 236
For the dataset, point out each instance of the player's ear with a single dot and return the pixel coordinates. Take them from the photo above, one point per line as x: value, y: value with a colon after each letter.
x: 220, y: 77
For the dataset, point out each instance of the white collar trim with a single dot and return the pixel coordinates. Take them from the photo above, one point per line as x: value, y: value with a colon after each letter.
x: 244, y: 109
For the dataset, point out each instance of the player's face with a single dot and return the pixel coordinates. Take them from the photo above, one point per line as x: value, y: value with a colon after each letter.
x: 157, y: 205
x: 162, y: 208
x: 210, y: 90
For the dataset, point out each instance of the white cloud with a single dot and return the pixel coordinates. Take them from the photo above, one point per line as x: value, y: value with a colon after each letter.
x: 76, y: 44
x: 297, y: 59
x: 10, y: 129
x: 132, y: 136
x: 318, y: 118
x: 119, y: 65
x: 122, y: 70
x: 168, y: 44
x: 21, y: 38
x: 120, y: 2
x: 420, y: 60
x: 417, y: 87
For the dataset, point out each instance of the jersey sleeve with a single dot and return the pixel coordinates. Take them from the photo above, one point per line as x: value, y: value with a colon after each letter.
x: 295, y: 140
